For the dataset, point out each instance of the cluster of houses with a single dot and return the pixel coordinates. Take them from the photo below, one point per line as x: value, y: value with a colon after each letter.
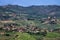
x: 49, y: 20
x: 12, y: 27
x: 33, y: 29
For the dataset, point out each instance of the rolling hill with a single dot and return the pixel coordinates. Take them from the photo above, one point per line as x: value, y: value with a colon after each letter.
x: 35, y: 12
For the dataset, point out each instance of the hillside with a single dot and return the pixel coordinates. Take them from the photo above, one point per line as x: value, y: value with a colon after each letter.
x: 30, y: 23
x: 36, y: 12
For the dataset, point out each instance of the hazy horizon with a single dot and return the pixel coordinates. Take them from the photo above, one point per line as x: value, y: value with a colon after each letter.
x: 30, y: 2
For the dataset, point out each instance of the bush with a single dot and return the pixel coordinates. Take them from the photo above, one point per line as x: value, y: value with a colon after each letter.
x: 7, y: 34
x: 24, y: 36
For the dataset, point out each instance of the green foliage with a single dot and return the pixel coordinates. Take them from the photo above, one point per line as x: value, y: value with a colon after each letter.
x: 52, y: 35
x: 38, y: 37
x: 24, y: 36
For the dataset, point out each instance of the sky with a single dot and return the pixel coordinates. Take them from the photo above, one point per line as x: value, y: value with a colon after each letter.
x: 30, y: 2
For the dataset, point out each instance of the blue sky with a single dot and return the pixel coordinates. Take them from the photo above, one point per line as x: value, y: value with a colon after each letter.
x: 30, y: 2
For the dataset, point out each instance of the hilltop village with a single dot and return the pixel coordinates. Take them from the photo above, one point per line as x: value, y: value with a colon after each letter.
x: 29, y: 28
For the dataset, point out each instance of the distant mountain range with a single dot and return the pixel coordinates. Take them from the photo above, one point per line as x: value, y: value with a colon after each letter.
x: 14, y: 12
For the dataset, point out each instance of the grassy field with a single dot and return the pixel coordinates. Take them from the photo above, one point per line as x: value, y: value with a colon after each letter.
x: 26, y: 36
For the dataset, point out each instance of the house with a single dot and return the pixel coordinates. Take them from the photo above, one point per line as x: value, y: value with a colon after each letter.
x: 21, y: 29
x: 57, y: 30
x: 2, y: 33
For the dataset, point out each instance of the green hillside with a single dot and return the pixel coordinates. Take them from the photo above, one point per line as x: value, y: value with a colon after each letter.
x: 30, y: 23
